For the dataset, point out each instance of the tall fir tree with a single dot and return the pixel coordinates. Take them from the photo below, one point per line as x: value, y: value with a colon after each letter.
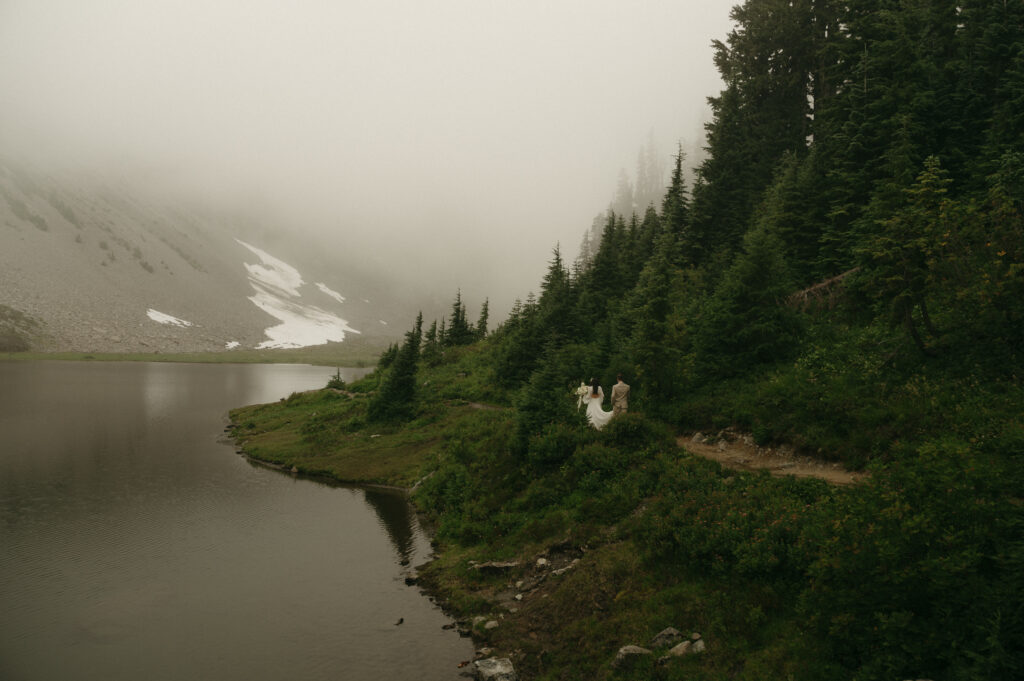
x: 481, y: 322
x: 746, y: 322
x: 395, y: 399
x: 432, y: 351
x: 459, y: 331
x: 675, y: 212
x: 764, y: 111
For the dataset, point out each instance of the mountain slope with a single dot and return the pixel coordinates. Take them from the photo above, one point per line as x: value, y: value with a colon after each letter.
x: 90, y: 267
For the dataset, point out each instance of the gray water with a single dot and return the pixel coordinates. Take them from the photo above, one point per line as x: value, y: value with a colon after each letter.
x: 136, y: 544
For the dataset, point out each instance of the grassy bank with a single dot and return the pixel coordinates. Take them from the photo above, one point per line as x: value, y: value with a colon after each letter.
x: 587, y: 518
x: 611, y: 537
x: 325, y: 433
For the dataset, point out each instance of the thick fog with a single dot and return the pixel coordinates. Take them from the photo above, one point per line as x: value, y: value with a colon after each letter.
x: 454, y: 142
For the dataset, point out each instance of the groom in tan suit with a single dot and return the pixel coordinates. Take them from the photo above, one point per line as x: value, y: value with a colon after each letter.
x: 620, y: 397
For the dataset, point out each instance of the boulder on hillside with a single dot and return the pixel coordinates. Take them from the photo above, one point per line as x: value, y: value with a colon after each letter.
x: 628, y: 655
x: 494, y: 669
x: 694, y: 645
x: 666, y: 637
x: 678, y: 650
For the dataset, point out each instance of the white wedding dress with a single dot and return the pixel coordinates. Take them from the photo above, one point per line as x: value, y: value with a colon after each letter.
x: 597, y: 416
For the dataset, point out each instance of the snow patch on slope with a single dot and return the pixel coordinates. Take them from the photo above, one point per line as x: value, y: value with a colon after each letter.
x: 273, y: 274
x: 333, y: 294
x: 276, y: 285
x: 162, y: 318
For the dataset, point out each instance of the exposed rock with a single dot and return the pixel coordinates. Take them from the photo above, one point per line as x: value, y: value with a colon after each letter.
x: 698, y: 438
x: 491, y: 624
x: 681, y: 649
x: 676, y: 651
x: 694, y: 645
x: 542, y: 562
x: 666, y: 637
x: 570, y: 566
x: 494, y: 669
x: 531, y: 583
x: 628, y: 655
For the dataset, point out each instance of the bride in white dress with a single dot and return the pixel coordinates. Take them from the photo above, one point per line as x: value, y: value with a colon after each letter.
x: 594, y: 399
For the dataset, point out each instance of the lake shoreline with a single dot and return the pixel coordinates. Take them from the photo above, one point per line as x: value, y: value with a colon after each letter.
x: 276, y: 449
x: 362, y: 357
x: 324, y: 478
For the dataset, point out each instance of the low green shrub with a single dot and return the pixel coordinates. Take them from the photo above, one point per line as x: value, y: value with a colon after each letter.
x: 895, y: 561
x: 336, y: 382
x: 633, y: 431
x: 553, y: 446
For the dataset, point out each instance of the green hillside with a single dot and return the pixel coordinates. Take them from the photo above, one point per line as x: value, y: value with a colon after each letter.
x: 846, y: 278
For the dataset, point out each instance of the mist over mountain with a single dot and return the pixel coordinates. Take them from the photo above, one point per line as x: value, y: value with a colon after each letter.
x: 90, y: 264
x: 432, y: 148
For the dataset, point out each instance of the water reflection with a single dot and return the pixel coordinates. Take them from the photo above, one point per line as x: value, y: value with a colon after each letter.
x: 397, y: 519
x: 136, y: 544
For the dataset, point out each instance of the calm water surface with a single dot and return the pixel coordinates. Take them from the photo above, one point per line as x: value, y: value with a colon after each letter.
x: 135, y: 544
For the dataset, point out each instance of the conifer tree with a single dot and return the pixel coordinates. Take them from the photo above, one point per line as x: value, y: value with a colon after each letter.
x: 481, y: 323
x: 675, y: 207
x: 607, y: 277
x: 459, y: 331
x: 763, y: 111
x: 397, y: 393
x: 746, y: 322
x: 520, y: 342
x: 649, y: 177
x: 901, y: 255
x: 432, y: 351
x: 650, y: 230
x: 624, y: 203
x: 793, y: 211
x: 387, y: 357
x: 556, y: 306
x: 655, y: 359
x: 546, y: 398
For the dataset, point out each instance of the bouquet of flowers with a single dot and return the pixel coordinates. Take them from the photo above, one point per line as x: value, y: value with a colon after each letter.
x: 581, y: 393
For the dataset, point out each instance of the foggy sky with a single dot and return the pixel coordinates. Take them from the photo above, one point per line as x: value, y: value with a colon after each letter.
x: 455, y: 140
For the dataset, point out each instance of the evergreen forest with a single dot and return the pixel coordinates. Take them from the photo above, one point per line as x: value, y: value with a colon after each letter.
x: 844, y: 277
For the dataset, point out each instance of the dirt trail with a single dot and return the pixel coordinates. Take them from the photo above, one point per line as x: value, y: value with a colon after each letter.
x: 739, y: 452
